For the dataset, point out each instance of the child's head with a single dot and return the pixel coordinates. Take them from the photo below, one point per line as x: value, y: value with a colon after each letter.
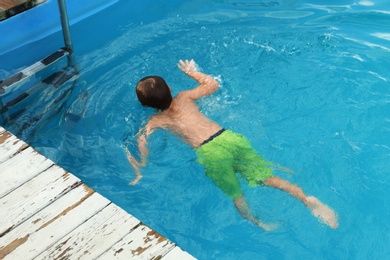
x: 153, y: 91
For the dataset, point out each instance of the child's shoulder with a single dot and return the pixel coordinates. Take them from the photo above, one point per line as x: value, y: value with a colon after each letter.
x: 184, y: 96
x: 159, y: 120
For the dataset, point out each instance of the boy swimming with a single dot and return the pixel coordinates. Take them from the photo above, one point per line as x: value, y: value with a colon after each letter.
x: 222, y: 152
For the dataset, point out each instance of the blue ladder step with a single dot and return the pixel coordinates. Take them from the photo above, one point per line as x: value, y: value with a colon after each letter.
x: 31, y: 86
x: 31, y: 70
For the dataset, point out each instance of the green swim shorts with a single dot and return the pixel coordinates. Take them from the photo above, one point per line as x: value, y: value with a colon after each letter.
x: 230, y: 153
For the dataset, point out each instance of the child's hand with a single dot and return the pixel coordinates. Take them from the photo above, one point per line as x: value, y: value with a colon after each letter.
x: 136, y: 179
x: 187, y: 66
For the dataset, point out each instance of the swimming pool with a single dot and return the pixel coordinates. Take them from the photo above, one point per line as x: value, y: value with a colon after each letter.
x: 306, y: 82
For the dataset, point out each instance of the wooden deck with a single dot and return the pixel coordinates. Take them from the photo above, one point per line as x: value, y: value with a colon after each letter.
x: 48, y: 213
x: 9, y: 8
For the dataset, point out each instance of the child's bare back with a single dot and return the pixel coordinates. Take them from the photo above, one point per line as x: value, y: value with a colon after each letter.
x: 183, y: 117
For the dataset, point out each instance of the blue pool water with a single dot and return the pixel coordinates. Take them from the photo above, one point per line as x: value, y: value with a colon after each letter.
x: 306, y: 81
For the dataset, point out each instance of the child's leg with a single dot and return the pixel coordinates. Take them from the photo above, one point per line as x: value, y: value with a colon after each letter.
x: 284, y: 185
x: 318, y: 209
x: 243, y: 208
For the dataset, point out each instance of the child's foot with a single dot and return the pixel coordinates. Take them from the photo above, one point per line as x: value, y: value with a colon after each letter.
x: 267, y: 226
x: 322, y: 212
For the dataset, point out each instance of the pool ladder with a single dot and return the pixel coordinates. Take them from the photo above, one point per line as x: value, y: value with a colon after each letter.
x: 18, y: 87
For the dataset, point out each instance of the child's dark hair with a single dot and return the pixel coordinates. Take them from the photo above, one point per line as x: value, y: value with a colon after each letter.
x: 153, y: 91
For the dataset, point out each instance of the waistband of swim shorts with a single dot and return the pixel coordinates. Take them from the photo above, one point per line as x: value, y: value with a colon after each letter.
x: 212, y: 137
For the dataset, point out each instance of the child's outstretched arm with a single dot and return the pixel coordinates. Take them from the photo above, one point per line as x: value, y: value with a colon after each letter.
x: 208, y: 84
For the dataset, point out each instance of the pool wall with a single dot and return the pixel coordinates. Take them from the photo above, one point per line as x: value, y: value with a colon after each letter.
x: 43, y: 20
x: 27, y: 34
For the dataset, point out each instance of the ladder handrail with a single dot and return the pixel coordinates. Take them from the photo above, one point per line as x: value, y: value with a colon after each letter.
x: 66, y: 32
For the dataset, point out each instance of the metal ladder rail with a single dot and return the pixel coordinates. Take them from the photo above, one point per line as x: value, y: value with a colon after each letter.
x: 66, y: 32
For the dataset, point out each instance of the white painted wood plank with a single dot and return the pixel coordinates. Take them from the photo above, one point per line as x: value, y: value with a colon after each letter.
x: 34, y: 195
x: 47, y: 214
x: 3, y: 138
x: 20, y: 169
x: 176, y: 254
x: 48, y: 226
x: 43, y: 218
x: 95, y: 236
x: 141, y: 243
x: 9, y: 146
